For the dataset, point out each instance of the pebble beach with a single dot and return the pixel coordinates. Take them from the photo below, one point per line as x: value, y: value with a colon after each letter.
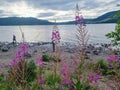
x: 66, y: 51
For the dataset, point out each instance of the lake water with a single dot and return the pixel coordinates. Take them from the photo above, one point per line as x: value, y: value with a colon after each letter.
x: 38, y: 33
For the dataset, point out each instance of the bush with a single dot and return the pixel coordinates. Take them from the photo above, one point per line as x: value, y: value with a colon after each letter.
x: 51, y: 80
x: 21, y: 76
x: 55, y: 59
x: 6, y: 84
x: 1, y: 78
x: 117, y: 52
x: 46, y: 57
x: 31, y: 68
x: 102, y: 66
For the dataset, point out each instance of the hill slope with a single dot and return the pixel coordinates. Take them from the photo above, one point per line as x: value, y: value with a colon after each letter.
x: 110, y: 17
x: 23, y: 21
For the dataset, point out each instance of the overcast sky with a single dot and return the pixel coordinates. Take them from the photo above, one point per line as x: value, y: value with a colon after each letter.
x: 62, y: 10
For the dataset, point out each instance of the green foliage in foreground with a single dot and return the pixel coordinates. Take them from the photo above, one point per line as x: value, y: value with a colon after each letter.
x: 46, y: 57
x: 53, y: 81
x: 31, y: 69
x: 14, y: 80
x: 102, y: 66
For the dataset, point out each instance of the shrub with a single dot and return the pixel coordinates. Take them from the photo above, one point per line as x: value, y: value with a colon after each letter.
x: 46, y: 57
x: 117, y: 52
x: 22, y: 75
x: 2, y: 82
x: 1, y: 78
x: 55, y: 59
x: 31, y: 69
x: 51, y: 80
x: 113, y: 65
x: 102, y: 66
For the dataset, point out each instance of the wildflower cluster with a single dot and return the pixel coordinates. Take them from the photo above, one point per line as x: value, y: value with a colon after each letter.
x: 93, y: 79
x: 113, y: 61
x: 41, y: 80
x: 40, y: 76
x: 19, y: 68
x: 80, y: 20
x: 68, y: 78
x: 56, y: 36
x: 66, y: 74
x: 39, y: 61
x: 20, y: 55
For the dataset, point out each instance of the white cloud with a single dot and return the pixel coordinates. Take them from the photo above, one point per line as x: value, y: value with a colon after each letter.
x: 21, y: 9
x: 56, y: 9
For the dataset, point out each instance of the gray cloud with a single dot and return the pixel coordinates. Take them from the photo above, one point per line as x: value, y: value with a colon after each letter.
x: 46, y: 14
x: 1, y: 11
x: 60, y: 9
x: 52, y: 4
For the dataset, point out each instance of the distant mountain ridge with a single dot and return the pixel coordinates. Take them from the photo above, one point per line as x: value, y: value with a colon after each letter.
x: 23, y: 21
x: 110, y: 17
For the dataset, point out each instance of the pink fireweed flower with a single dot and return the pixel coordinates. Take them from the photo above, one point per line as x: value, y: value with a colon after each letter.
x: 90, y: 77
x: 53, y: 36
x: 66, y: 70
x: 77, y: 19
x: 13, y: 63
x: 39, y: 61
x: 112, y: 58
x: 66, y: 73
x: 75, y: 63
x: 80, y: 20
x: 56, y: 36
x: 110, y: 66
x: 19, y: 55
x: 24, y: 47
x: 96, y: 78
x: 93, y: 79
x: 118, y: 63
x: 41, y: 80
x: 66, y: 81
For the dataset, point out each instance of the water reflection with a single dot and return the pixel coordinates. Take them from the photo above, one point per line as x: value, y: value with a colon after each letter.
x: 43, y: 33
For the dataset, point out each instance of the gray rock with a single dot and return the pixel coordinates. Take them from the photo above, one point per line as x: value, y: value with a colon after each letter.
x: 4, y: 48
x: 28, y: 55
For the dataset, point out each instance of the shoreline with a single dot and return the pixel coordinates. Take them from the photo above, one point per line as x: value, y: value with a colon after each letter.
x: 67, y: 51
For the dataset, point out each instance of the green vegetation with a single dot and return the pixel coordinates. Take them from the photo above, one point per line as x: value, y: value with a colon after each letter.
x: 102, y: 66
x: 115, y: 35
x: 46, y: 57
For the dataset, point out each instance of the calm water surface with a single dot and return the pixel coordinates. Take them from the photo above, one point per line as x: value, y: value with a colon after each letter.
x: 37, y: 33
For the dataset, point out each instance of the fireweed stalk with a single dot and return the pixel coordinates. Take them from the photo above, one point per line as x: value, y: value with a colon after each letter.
x: 18, y: 65
x: 114, y: 65
x: 82, y: 33
x: 93, y: 79
x: 77, y: 77
x: 56, y: 40
x: 113, y: 62
x: 40, y: 77
x: 82, y: 38
x: 81, y: 79
x: 66, y: 73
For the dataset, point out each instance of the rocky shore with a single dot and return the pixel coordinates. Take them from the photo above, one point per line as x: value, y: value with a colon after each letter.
x: 94, y: 52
